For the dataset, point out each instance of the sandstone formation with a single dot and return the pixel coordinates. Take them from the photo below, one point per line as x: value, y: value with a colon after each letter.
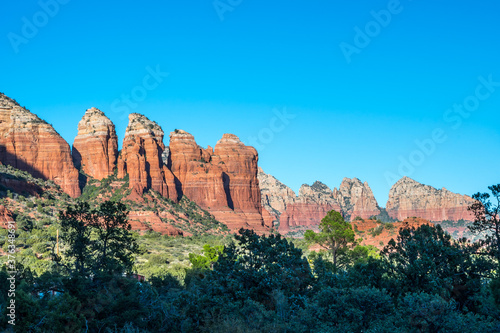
x: 275, y: 196
x: 147, y: 220
x: 356, y: 199
x: 141, y: 158
x: 222, y: 180
x: 30, y: 144
x: 239, y: 171
x: 197, y: 178
x: 312, y: 204
x: 352, y: 199
x: 409, y: 198
x: 5, y: 217
x: 95, y: 148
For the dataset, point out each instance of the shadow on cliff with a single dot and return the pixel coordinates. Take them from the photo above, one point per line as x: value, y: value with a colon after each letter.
x: 177, y: 182
x: 17, y: 183
x: 227, y: 183
x: 77, y: 162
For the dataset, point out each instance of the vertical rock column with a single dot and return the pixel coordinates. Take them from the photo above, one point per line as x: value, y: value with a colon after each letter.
x: 95, y: 149
x: 141, y: 158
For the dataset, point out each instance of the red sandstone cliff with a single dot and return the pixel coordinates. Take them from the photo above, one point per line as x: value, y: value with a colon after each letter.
x: 312, y: 204
x: 30, y: 144
x: 141, y: 158
x: 352, y: 199
x: 95, y: 148
x: 239, y: 165
x: 409, y: 198
x: 223, y: 181
x: 197, y: 178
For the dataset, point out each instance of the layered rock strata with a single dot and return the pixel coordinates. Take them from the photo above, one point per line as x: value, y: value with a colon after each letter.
x: 30, y: 144
x: 141, y: 158
x: 408, y: 198
x: 356, y: 199
x: 95, y: 149
x: 222, y: 180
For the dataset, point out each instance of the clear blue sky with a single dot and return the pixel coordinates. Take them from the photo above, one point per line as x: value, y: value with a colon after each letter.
x: 355, y: 119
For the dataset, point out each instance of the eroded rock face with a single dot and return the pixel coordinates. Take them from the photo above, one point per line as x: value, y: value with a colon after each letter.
x: 30, y: 144
x: 408, y: 198
x: 239, y: 171
x: 275, y: 196
x: 95, y: 149
x: 147, y: 220
x: 5, y: 217
x: 312, y: 204
x: 356, y: 199
x: 141, y: 158
x: 197, y: 178
x: 352, y: 199
x: 223, y: 181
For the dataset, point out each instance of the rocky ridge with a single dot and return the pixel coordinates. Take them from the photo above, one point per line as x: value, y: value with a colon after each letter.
x: 224, y: 180
x: 409, y: 198
x: 356, y: 199
x: 30, y: 144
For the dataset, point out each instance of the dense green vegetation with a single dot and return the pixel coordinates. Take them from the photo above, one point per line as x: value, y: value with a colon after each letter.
x: 422, y: 281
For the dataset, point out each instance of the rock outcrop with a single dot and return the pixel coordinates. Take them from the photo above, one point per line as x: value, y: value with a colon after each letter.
x: 147, y: 220
x: 275, y: 196
x: 197, y: 178
x: 239, y: 172
x: 28, y: 143
x: 222, y: 181
x: 5, y: 217
x: 352, y: 199
x: 408, y: 198
x: 312, y: 204
x: 141, y: 158
x: 356, y: 199
x: 95, y: 149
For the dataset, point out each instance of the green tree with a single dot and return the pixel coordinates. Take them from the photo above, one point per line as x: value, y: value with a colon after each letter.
x: 487, y: 220
x: 96, y: 240
x: 208, y: 258
x: 259, y: 268
x: 336, y: 236
x: 428, y: 259
x: 76, y: 225
x: 114, y: 245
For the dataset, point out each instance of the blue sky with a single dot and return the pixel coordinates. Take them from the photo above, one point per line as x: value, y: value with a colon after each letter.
x: 319, y: 99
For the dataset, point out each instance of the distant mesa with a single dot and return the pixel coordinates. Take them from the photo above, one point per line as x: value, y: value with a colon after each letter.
x: 354, y: 198
x: 410, y: 198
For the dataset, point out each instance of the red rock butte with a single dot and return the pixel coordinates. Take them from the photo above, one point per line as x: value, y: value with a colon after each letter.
x: 95, y: 149
x: 141, y: 158
x: 222, y: 180
x: 30, y: 144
